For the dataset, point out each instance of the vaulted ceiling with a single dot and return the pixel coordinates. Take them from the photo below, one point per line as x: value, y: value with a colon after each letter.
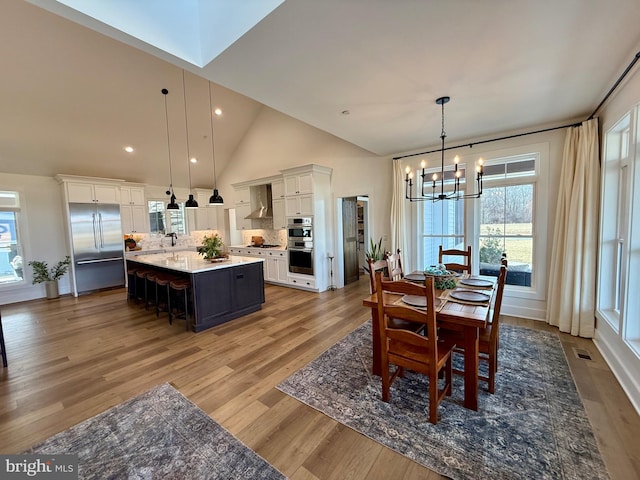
x: 74, y: 91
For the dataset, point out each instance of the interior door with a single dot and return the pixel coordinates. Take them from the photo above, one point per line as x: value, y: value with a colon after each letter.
x: 350, y: 239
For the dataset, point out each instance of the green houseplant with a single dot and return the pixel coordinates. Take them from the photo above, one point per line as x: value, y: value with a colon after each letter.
x: 211, y: 247
x: 42, y: 274
x: 375, y: 251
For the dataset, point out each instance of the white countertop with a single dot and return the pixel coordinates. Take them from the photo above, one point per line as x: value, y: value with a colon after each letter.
x: 280, y: 247
x: 190, y: 262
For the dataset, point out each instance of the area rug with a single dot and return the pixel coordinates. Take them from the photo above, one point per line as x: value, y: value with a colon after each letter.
x: 534, y: 426
x: 159, y: 434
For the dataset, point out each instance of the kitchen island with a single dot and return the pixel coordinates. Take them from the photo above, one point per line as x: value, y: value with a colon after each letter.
x: 220, y: 291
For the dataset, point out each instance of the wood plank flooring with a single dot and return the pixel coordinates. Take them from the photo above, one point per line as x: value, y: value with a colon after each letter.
x: 72, y: 358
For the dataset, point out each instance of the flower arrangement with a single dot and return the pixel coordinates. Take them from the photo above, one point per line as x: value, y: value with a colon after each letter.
x: 212, y: 247
x: 41, y: 272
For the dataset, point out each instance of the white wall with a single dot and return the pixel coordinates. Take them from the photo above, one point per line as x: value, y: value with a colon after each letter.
x: 43, y: 231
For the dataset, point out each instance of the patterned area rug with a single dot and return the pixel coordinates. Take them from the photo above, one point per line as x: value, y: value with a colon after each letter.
x: 534, y: 426
x: 159, y: 434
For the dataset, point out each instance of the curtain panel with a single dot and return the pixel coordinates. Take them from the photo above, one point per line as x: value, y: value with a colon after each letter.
x: 572, y: 279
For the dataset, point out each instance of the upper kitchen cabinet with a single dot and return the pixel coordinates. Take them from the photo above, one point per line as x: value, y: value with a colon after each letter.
x: 90, y: 190
x: 206, y: 217
x: 133, y: 209
x: 277, y: 189
x: 298, y: 184
x: 132, y: 195
x: 243, y: 196
x: 301, y: 186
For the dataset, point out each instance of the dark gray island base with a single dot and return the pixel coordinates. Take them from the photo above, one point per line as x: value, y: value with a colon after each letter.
x: 219, y: 291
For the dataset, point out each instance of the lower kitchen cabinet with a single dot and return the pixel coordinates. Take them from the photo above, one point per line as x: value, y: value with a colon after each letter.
x: 277, y: 270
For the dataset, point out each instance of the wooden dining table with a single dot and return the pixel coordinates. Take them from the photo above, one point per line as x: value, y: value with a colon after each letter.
x: 469, y: 318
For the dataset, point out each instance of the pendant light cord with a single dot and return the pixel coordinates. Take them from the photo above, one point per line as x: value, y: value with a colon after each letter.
x: 213, y: 151
x: 186, y: 127
x: 166, y: 118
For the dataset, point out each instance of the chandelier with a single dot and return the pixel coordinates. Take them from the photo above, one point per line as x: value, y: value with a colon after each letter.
x: 436, y: 180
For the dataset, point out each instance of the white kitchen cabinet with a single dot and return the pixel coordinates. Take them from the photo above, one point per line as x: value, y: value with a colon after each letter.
x: 277, y: 189
x: 243, y: 196
x: 277, y: 267
x: 302, y: 281
x: 206, y: 217
x: 299, y: 184
x: 279, y: 215
x: 298, y: 205
x: 134, y: 218
x: 132, y: 196
x: 92, y: 193
x: 241, y: 212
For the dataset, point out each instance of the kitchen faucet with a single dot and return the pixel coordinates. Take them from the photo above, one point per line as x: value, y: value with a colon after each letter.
x: 174, y: 238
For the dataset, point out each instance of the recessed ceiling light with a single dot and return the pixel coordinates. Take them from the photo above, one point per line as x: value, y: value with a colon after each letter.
x: 128, y: 149
x: 217, y: 111
x: 194, y: 160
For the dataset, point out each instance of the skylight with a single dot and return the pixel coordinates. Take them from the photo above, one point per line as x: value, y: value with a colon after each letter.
x: 196, y: 31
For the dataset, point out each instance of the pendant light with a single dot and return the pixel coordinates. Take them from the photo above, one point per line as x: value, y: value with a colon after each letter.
x: 214, y: 199
x: 451, y: 176
x: 172, y: 202
x: 191, y: 203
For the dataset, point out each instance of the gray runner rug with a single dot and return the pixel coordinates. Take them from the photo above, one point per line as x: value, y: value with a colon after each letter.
x: 534, y: 426
x: 159, y: 434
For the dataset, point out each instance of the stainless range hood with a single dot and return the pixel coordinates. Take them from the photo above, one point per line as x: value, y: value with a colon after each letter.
x: 264, y: 203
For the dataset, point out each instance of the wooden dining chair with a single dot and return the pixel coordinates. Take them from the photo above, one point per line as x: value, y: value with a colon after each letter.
x: 394, y: 266
x: 375, y: 266
x: 488, y: 336
x: 456, y: 266
x: 381, y: 266
x: 422, y: 353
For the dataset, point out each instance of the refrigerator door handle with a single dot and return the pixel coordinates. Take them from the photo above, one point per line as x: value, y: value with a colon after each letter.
x: 101, y: 230
x: 95, y: 234
x: 101, y: 260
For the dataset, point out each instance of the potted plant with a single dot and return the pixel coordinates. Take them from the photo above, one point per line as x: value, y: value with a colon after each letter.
x: 375, y: 251
x: 42, y: 274
x: 211, y: 248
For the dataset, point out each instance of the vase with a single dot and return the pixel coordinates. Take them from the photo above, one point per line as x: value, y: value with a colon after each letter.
x: 51, y: 288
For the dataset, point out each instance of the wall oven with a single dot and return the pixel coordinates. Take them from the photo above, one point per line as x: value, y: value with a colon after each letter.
x: 300, y: 245
x: 300, y: 229
x: 301, y: 260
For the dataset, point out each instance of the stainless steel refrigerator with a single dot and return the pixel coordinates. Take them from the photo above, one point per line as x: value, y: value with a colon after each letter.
x: 96, y: 236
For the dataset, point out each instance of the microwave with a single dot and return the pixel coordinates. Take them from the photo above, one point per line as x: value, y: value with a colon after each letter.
x: 300, y: 232
x: 301, y: 221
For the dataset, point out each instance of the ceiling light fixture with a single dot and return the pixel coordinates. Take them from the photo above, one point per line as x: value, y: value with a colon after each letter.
x: 445, y: 176
x: 172, y: 202
x: 214, y: 199
x: 191, y: 202
x: 128, y: 149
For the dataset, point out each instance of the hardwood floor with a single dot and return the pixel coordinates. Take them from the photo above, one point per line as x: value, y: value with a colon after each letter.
x: 72, y: 358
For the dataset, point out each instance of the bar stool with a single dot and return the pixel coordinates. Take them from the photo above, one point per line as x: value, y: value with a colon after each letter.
x: 142, y: 292
x: 150, y: 295
x: 182, y: 285
x: 162, y: 283
x: 131, y: 282
x: 2, y: 347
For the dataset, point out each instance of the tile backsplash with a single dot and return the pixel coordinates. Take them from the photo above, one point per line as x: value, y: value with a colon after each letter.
x: 274, y: 237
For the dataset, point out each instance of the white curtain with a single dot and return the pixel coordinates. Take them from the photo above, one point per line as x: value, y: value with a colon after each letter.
x: 398, y: 211
x: 572, y: 279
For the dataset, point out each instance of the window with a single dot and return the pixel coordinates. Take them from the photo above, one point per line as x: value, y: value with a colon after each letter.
x: 158, y: 218
x: 510, y: 216
x: 11, y: 256
x: 506, y: 219
x: 619, y: 259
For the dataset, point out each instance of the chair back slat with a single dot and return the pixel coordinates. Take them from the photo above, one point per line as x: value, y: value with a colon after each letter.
x: 456, y: 266
x: 375, y: 266
x: 394, y: 265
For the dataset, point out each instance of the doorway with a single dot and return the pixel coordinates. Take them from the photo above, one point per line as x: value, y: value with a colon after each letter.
x: 354, y: 233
